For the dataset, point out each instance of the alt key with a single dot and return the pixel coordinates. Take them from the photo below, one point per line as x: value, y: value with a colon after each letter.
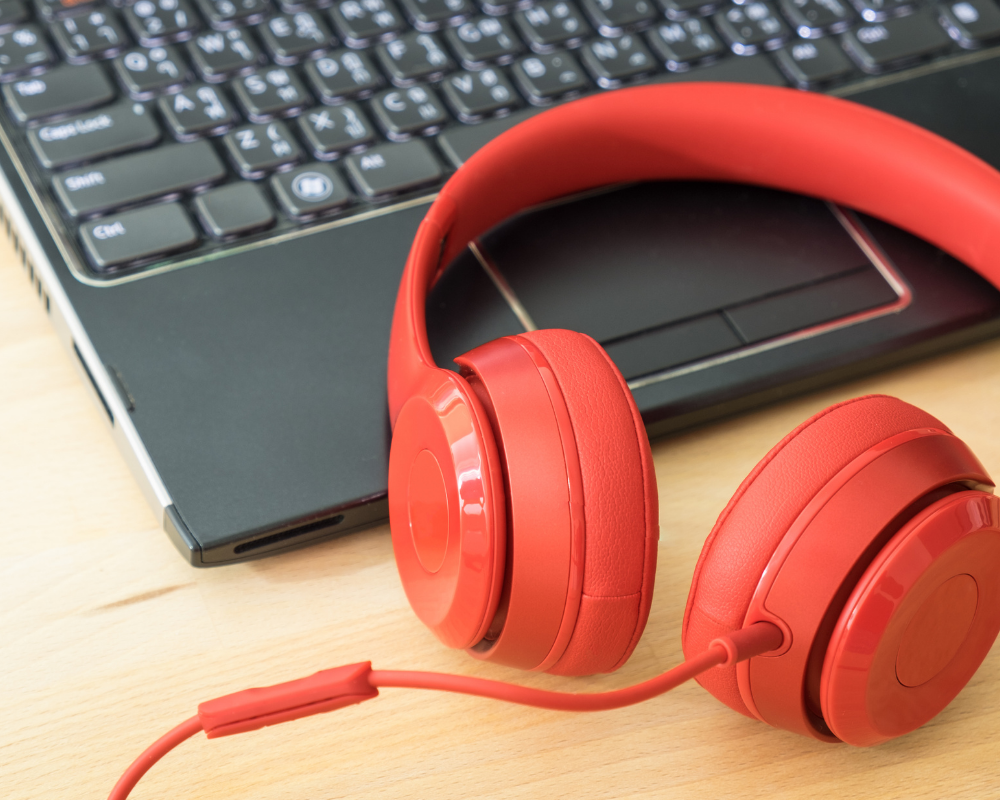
x: 393, y: 169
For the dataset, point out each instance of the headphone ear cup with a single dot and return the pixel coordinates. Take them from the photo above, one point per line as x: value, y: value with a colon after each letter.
x: 620, y: 502
x: 446, y: 509
x: 581, y: 503
x: 764, y: 507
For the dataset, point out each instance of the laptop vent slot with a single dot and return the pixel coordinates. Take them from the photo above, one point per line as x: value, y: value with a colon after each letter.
x: 15, y: 241
x: 291, y: 533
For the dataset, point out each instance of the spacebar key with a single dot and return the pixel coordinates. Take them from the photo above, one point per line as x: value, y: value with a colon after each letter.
x: 132, y: 179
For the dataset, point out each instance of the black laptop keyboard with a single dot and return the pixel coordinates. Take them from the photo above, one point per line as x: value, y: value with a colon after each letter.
x: 165, y: 131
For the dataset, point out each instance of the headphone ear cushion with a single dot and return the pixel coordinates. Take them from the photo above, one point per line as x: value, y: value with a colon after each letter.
x: 768, y: 501
x: 620, y: 503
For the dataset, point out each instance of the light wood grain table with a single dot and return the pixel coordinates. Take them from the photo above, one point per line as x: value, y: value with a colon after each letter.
x: 108, y: 638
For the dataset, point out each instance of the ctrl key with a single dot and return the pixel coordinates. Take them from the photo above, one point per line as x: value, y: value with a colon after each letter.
x: 139, y: 235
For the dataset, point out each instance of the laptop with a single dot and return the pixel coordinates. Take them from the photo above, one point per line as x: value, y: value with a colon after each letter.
x: 215, y: 199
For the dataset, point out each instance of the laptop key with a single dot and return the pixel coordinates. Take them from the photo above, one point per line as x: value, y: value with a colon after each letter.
x: 199, y: 110
x: 878, y: 10
x: 234, y: 210
x: 259, y: 149
x: 110, y: 131
x: 164, y: 171
x: 751, y: 28
x: 613, y: 17
x: 404, y: 113
x: 218, y: 56
x: 685, y: 9
x: 223, y: 14
x: 393, y: 169
x: 309, y: 191
x: 817, y: 63
x: 758, y: 69
x: 888, y: 44
x: 474, y: 95
x: 342, y: 74
x: 681, y: 44
x: 275, y: 92
x: 94, y: 34
x: 611, y: 61
x: 57, y: 9
x: 484, y: 40
x: 62, y: 90
x: 23, y: 50
x: 332, y: 131
x: 13, y: 12
x: 291, y: 37
x: 971, y: 22
x: 148, y: 71
x: 552, y: 23
x: 155, y: 22
x: 413, y: 57
x: 360, y: 22
x: 543, y: 78
x: 814, y: 18
x: 138, y: 236
x: 430, y: 15
x: 459, y: 142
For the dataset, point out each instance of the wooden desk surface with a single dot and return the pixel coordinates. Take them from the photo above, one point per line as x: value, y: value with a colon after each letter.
x: 109, y: 638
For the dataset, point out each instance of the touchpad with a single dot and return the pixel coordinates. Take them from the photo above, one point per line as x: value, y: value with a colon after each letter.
x: 662, y: 274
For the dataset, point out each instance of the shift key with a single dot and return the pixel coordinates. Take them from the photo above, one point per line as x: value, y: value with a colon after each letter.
x: 132, y: 179
x: 139, y: 235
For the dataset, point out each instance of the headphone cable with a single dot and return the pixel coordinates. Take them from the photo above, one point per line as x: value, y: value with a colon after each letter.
x: 336, y: 688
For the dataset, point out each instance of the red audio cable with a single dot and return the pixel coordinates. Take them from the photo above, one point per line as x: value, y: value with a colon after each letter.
x: 343, y: 686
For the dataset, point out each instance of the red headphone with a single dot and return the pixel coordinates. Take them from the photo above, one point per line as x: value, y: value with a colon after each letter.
x: 850, y: 588
x: 522, y: 498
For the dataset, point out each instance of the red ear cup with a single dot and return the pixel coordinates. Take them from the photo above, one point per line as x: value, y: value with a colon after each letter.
x: 446, y: 509
x: 918, y: 624
x: 821, y: 461
x: 581, y: 503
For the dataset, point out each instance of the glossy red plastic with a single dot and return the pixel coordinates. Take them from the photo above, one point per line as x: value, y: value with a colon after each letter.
x: 767, y: 503
x: 919, y: 623
x: 822, y: 556
x: 544, y: 503
x: 446, y: 509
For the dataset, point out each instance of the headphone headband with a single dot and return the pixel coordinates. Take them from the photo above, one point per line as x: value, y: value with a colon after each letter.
x: 785, y: 139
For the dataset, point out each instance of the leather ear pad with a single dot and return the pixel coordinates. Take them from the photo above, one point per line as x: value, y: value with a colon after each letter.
x: 620, y: 503
x: 768, y: 501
